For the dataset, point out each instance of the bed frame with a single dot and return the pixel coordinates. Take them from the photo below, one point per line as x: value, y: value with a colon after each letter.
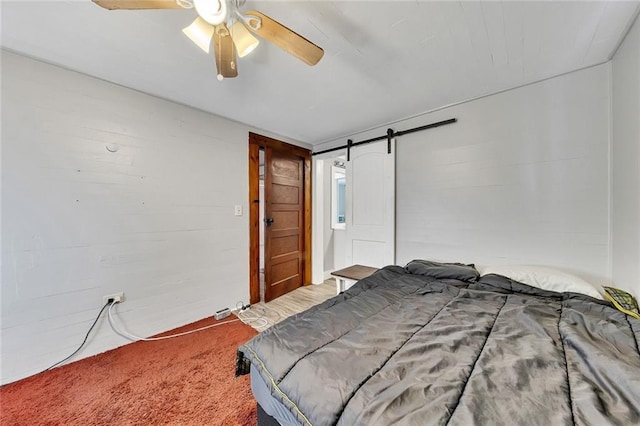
x: 264, y: 419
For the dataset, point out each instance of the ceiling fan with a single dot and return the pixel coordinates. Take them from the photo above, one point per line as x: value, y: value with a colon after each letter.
x: 222, y: 22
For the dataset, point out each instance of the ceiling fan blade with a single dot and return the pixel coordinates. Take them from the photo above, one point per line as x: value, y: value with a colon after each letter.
x: 225, y: 52
x: 137, y: 4
x: 286, y: 39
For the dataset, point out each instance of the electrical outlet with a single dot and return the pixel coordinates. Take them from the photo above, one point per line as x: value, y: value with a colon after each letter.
x: 118, y: 297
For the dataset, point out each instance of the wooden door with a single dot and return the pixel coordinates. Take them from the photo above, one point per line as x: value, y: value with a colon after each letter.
x: 370, y: 200
x: 284, y: 222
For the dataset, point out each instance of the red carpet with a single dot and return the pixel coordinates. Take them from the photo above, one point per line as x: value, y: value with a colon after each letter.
x: 188, y: 380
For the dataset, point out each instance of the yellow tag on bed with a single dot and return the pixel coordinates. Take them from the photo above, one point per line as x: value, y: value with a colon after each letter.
x: 622, y: 300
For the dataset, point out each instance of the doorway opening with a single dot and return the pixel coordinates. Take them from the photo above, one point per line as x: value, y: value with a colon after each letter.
x: 330, y: 216
x: 279, y: 218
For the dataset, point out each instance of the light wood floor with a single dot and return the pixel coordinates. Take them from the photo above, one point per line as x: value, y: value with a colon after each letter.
x: 289, y: 304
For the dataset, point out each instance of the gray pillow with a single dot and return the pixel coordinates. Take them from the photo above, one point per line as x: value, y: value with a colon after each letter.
x: 456, y: 271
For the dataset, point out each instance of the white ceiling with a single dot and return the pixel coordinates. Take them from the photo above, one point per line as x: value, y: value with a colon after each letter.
x: 383, y: 61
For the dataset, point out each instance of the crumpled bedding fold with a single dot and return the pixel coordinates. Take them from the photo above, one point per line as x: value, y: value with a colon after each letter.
x: 405, y: 348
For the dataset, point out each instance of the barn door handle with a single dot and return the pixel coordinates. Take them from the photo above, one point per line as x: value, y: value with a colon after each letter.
x: 268, y: 221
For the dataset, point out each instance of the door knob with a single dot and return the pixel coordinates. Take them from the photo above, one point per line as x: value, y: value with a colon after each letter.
x: 268, y: 221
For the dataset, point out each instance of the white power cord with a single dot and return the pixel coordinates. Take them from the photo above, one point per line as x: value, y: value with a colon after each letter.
x: 133, y: 337
x: 255, y: 322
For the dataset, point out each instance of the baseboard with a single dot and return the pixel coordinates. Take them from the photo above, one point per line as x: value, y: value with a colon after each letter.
x: 327, y: 274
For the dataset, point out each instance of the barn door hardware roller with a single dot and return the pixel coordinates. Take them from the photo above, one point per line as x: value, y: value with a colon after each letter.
x: 389, y: 136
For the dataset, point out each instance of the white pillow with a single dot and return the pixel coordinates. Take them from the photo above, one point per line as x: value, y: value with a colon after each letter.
x: 544, y: 278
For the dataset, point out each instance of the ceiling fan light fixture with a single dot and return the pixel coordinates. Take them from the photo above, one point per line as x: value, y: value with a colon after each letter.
x: 200, y: 32
x: 242, y: 38
x: 212, y: 11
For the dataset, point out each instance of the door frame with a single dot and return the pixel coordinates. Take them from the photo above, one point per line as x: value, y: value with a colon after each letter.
x: 256, y: 142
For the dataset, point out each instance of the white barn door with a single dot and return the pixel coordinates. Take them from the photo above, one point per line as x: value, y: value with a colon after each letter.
x: 370, y: 205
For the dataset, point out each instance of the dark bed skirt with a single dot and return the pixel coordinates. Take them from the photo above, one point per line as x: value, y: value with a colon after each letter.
x: 264, y: 419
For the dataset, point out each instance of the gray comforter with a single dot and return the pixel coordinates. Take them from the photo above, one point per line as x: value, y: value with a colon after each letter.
x: 428, y: 344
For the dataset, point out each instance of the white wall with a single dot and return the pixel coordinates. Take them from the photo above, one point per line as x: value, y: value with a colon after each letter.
x: 521, y: 178
x: 155, y: 219
x: 339, y: 249
x: 625, y: 163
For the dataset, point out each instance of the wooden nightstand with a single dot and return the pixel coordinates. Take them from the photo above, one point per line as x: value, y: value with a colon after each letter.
x: 347, y: 277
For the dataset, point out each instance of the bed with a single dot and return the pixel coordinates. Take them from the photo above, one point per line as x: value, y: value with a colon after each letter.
x: 436, y: 343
